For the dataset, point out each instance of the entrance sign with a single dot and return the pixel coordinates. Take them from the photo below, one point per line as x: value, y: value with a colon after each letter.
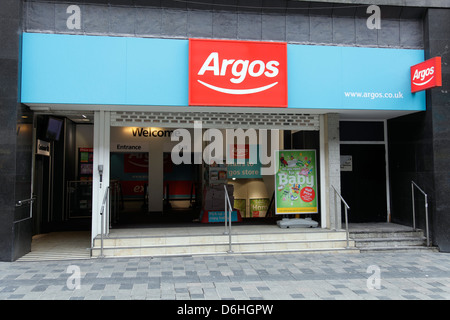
x: 296, y: 182
x: 129, y: 147
x: 426, y: 75
x: 237, y: 73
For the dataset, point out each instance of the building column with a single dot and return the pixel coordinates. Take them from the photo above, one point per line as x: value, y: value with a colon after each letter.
x: 155, y: 189
x: 100, y: 183
x: 330, y: 175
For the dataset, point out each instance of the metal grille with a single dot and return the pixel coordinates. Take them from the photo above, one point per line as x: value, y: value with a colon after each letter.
x: 222, y: 120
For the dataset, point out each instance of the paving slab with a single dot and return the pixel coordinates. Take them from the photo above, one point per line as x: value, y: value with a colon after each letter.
x: 318, y: 276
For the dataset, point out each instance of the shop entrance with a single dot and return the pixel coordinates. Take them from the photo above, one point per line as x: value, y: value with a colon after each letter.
x: 150, y: 189
x: 131, y: 175
x: 62, y: 182
x: 175, y: 188
x: 364, y: 171
x: 62, y: 186
x: 129, y: 182
x: 363, y: 182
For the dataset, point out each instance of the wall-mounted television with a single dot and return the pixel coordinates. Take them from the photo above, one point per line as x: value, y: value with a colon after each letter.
x: 54, y: 127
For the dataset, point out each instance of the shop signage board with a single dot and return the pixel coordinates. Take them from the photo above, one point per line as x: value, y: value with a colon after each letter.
x: 426, y: 75
x: 244, y: 171
x: 336, y: 77
x: 237, y: 73
x: 296, y: 182
x: 43, y: 147
x: 128, y: 71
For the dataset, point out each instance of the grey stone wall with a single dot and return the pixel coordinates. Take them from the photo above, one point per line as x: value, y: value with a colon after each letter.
x: 287, y: 21
x: 413, y: 3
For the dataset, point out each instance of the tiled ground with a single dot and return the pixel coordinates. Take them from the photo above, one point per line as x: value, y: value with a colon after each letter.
x: 405, y: 275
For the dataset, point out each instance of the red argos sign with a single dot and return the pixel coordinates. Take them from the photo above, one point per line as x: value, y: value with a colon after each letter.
x: 426, y: 75
x: 237, y: 73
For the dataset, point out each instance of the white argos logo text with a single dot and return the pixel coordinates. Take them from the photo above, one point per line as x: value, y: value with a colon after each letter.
x: 421, y: 75
x: 239, y: 71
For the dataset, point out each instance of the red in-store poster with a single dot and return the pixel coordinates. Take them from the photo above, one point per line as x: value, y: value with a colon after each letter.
x: 240, y: 151
x: 135, y: 162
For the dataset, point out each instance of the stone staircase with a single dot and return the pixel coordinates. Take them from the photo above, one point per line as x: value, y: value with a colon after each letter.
x: 246, y: 240
x: 394, y: 237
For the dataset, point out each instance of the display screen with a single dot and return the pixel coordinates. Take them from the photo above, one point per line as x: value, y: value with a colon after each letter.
x: 54, y: 128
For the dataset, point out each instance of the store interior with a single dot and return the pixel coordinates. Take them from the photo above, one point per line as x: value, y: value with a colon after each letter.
x: 147, y: 188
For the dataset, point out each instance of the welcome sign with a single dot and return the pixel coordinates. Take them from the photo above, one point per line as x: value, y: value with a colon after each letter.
x: 296, y: 182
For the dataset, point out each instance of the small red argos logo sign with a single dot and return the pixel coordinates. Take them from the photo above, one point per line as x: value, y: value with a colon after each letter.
x: 426, y: 75
x: 237, y: 73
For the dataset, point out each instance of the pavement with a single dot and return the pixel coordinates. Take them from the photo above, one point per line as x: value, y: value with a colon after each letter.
x: 410, y: 275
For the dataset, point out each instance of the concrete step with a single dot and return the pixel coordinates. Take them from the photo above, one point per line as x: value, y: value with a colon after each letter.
x: 216, y: 238
x: 399, y: 249
x: 383, y: 240
x: 386, y: 234
x: 331, y: 241
x: 390, y: 242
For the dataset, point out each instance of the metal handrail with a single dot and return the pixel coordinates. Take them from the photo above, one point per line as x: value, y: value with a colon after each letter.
x: 102, y: 210
x: 347, y: 207
x: 413, y: 184
x: 20, y: 203
x: 228, y: 217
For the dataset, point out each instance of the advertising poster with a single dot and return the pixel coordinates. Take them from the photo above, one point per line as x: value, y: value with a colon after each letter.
x: 241, y: 205
x: 85, y: 163
x: 296, y: 182
x: 131, y: 169
x: 259, y: 207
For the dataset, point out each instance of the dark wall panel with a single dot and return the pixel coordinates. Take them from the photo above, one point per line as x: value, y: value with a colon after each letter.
x: 419, y: 144
x: 16, y: 142
x: 437, y: 44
